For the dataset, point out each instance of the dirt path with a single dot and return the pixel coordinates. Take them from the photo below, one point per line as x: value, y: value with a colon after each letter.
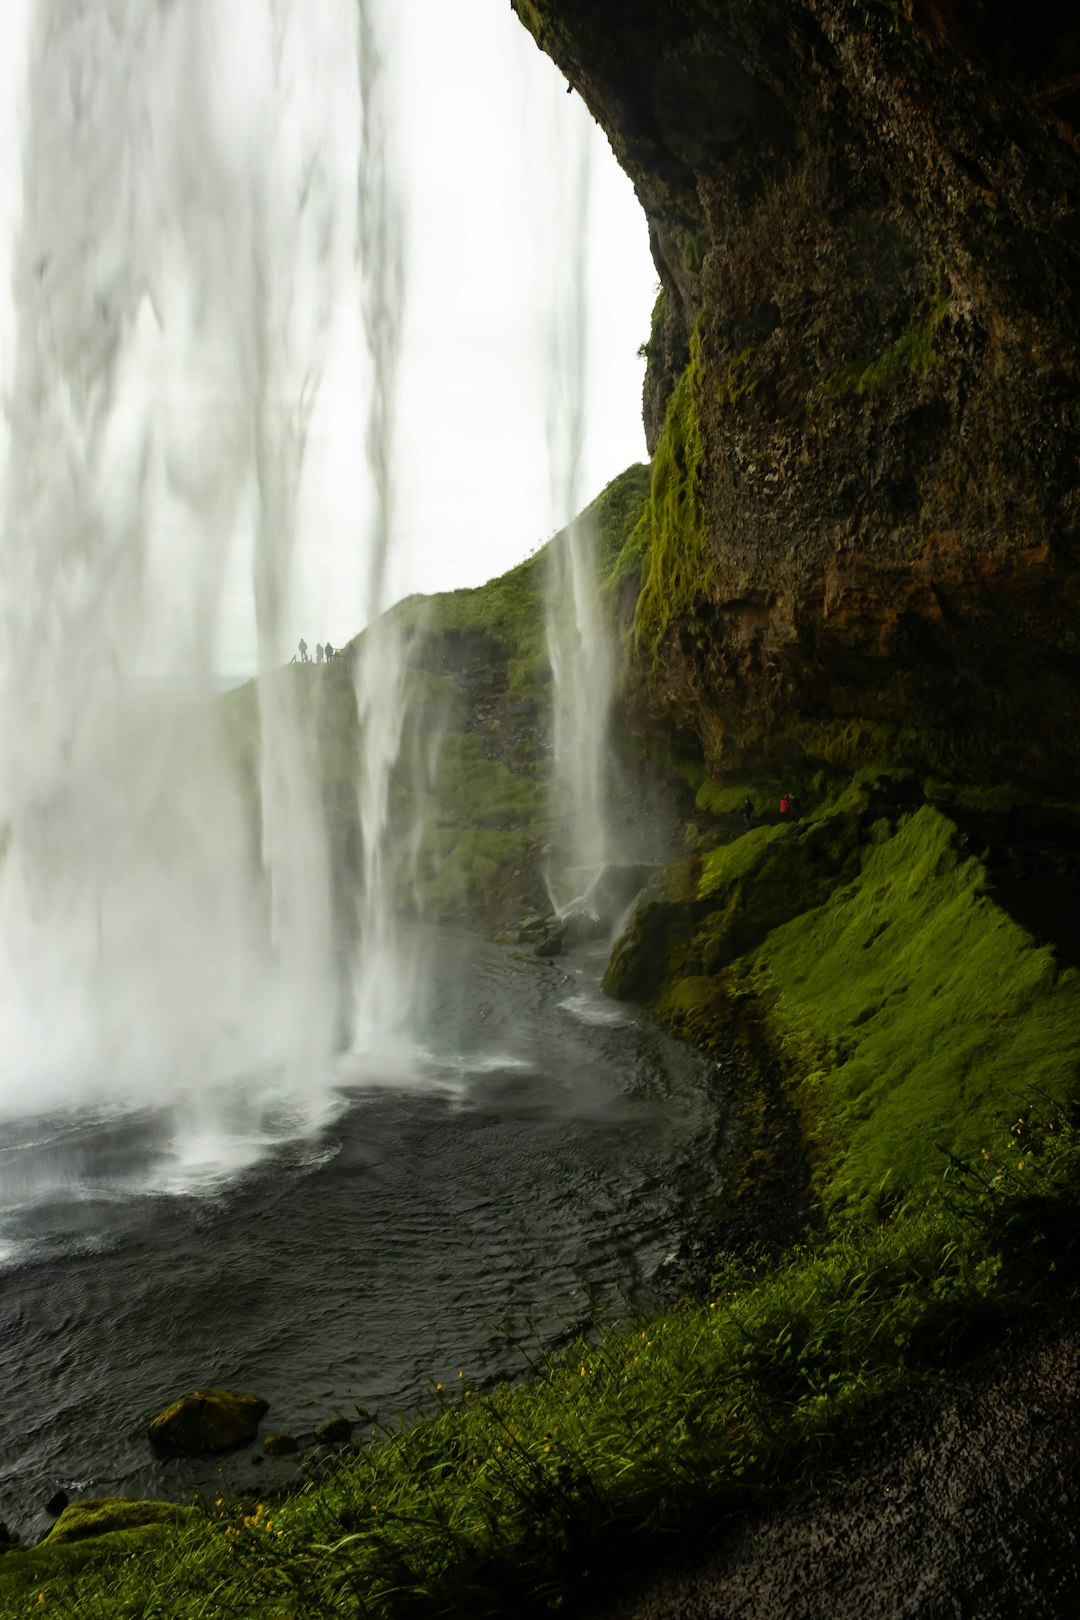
x: 963, y: 1501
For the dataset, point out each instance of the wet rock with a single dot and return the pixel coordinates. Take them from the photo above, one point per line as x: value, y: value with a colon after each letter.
x: 637, y: 966
x: 100, y: 1516
x: 536, y: 926
x: 281, y: 1445
x: 551, y: 944
x: 57, y: 1502
x: 207, y: 1421
x: 615, y: 887
x: 335, y: 1432
x: 581, y: 926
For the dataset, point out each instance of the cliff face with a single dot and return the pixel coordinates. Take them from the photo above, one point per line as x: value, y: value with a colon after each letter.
x: 863, y: 396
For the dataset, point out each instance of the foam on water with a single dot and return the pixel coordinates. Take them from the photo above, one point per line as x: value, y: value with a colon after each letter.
x: 590, y: 1009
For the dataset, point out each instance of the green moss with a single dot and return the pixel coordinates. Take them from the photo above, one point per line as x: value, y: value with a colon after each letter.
x: 676, y: 564
x: 510, y: 610
x: 25, y: 1573
x: 99, y: 1516
x: 631, y: 559
x: 740, y: 381
x: 659, y: 309
x: 720, y: 799
x: 658, y: 932
x: 912, y: 354
x: 208, y: 1420
x: 1000, y: 799
x: 767, y: 877
x: 917, y: 1012
x: 707, y: 912
x: 730, y: 862
x: 694, y: 248
x: 851, y: 746
x: 910, y: 1011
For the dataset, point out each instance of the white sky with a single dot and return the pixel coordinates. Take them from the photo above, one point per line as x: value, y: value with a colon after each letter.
x: 483, y: 129
x: 474, y: 111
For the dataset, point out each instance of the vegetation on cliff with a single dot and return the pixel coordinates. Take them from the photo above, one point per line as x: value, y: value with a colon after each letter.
x: 672, y: 550
x: 471, y: 803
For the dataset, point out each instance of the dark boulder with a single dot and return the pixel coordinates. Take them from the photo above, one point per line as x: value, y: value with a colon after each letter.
x: 551, y: 944
x: 335, y: 1432
x: 57, y: 1502
x: 207, y: 1421
x: 281, y: 1445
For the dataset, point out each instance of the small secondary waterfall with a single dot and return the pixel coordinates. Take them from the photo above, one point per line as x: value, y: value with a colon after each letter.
x: 578, y: 634
x: 189, y: 228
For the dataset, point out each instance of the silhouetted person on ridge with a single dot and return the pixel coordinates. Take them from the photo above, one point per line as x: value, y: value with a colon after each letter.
x: 785, y: 807
x: 747, y: 810
x: 304, y: 659
x: 794, y: 808
x: 318, y: 652
x: 329, y: 652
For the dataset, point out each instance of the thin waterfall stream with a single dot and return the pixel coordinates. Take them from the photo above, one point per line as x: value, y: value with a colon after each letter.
x: 578, y: 635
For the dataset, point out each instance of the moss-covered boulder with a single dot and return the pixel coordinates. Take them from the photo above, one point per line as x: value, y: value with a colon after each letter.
x: 208, y: 1420
x: 335, y: 1432
x: 642, y: 954
x: 99, y: 1516
x: 281, y: 1445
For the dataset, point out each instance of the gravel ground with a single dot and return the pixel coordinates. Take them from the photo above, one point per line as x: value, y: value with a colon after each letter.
x: 963, y: 1500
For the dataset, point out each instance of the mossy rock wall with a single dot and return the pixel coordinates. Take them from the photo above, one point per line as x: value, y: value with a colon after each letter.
x: 864, y: 372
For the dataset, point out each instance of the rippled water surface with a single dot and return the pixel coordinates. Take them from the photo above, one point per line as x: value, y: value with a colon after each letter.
x: 540, y: 1153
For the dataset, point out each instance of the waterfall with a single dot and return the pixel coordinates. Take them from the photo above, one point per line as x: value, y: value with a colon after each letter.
x: 188, y: 230
x: 383, y: 988
x: 578, y: 634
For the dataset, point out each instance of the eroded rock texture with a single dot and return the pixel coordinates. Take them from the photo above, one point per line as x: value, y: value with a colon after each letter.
x: 866, y: 496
